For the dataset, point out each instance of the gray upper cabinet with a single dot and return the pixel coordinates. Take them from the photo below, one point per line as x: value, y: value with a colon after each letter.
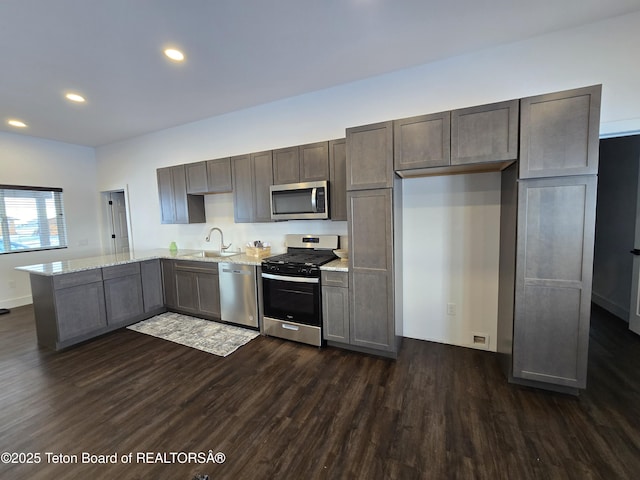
x: 286, y: 166
x: 486, y: 133
x: 219, y: 176
x: 212, y: 176
x: 304, y: 163
x: 252, y: 177
x: 196, y: 174
x: 338, y: 179
x: 262, y: 181
x: 370, y: 156
x: 176, y: 206
x: 422, y: 142
x: 559, y: 133
x: 242, y: 188
x: 314, y: 162
x: 556, y: 223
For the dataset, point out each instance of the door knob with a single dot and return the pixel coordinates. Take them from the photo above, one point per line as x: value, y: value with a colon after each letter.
x: 635, y: 251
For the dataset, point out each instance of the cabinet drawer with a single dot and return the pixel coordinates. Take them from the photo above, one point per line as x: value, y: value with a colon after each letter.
x: 121, y: 270
x: 196, y: 266
x: 335, y: 279
x: 67, y: 280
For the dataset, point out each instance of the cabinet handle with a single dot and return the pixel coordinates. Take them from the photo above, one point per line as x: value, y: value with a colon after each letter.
x: 635, y: 251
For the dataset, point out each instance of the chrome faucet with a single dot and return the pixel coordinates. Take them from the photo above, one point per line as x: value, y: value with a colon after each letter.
x: 223, y: 247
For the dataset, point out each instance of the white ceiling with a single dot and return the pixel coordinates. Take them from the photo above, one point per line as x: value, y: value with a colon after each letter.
x: 239, y: 53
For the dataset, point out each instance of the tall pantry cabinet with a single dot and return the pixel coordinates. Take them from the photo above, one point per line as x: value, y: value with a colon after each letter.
x: 374, y: 215
x: 543, y: 330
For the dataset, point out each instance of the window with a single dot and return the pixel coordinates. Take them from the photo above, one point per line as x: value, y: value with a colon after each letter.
x: 32, y: 218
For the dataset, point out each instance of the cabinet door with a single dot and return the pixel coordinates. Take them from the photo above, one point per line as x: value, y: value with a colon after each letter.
x: 263, y: 179
x: 165, y: 192
x: 314, y: 162
x: 208, y: 294
x: 286, y: 166
x: 123, y: 299
x: 559, y: 133
x: 371, y: 298
x: 186, y: 291
x: 196, y: 175
x: 80, y: 310
x: 338, y: 179
x: 151, y: 276
x: 219, y: 176
x: 422, y: 142
x: 487, y: 133
x: 335, y: 314
x: 556, y: 223
x: 370, y: 156
x: 176, y: 206
x: 242, y: 189
x: 169, y: 282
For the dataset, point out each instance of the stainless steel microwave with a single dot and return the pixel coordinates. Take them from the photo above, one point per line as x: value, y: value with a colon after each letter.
x: 300, y: 201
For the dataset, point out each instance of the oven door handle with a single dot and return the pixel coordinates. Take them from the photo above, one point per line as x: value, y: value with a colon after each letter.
x: 285, y: 278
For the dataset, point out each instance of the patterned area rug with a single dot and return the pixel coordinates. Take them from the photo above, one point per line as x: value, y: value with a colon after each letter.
x: 212, y: 337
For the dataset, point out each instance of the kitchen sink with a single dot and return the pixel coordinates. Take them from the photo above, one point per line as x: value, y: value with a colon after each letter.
x: 210, y: 254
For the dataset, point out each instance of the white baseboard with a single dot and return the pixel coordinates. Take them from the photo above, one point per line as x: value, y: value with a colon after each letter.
x: 609, y: 306
x: 16, y: 302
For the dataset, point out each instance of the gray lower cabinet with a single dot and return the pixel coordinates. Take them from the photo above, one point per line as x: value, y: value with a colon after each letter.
x: 370, y: 156
x: 335, y: 306
x: 252, y: 177
x: 556, y: 224
x: 176, y: 205
x: 197, y: 289
x: 123, y: 293
x: 559, y: 133
x: 73, y: 307
x: 486, y: 133
x: 422, y: 142
x: 338, y: 179
x: 78, y: 305
x: 152, y: 291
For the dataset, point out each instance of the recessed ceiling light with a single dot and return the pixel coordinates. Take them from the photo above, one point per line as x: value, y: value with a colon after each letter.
x: 174, y: 54
x: 17, y: 123
x: 74, y: 97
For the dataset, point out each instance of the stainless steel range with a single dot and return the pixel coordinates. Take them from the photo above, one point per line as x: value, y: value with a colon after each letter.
x: 291, y: 288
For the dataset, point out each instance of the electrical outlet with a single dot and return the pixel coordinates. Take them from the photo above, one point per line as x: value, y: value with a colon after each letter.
x: 480, y: 340
x: 12, y: 284
x: 452, y: 309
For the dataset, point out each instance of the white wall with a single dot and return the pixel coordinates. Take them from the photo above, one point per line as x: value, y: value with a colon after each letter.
x: 34, y: 162
x: 460, y: 265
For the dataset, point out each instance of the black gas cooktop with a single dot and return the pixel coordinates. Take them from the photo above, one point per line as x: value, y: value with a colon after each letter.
x: 298, y: 262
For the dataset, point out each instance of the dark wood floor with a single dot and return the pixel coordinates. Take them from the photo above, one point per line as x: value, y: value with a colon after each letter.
x: 277, y: 409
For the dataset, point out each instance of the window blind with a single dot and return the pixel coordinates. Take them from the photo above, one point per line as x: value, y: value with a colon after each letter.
x: 32, y: 218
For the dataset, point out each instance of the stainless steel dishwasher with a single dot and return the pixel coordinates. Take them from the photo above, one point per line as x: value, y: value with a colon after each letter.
x: 238, y: 294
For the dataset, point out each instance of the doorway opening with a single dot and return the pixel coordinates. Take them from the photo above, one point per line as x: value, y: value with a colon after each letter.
x: 115, y: 222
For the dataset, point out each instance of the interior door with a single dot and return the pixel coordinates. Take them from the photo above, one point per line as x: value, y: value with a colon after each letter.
x: 120, y: 231
x: 634, y: 308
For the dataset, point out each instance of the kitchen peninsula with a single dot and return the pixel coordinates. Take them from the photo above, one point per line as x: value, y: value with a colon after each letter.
x: 76, y: 300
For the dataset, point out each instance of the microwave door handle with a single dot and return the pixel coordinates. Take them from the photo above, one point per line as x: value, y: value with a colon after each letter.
x: 314, y: 199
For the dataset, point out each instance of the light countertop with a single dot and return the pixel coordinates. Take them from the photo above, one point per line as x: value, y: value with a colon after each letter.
x: 100, y: 261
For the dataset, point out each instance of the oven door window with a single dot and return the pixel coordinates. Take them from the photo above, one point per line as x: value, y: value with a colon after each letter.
x: 292, y: 301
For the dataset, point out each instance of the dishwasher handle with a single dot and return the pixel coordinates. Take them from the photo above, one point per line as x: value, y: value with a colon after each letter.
x: 239, y: 272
